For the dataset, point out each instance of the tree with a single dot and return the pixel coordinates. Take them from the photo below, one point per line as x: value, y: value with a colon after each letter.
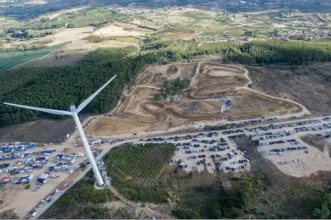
x: 327, y: 199
x: 157, y: 97
x: 44, y: 19
x: 185, y: 214
x: 317, y: 213
x: 2, y: 33
x: 325, y: 212
x: 172, y: 88
x: 70, y: 25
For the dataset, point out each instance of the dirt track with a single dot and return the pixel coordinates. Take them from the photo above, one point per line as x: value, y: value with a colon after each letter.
x: 201, y: 101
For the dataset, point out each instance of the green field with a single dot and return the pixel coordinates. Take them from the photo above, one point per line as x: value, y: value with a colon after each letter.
x: 226, y: 29
x: 209, y: 30
x: 11, y: 59
x: 97, y: 39
x: 196, y: 15
x: 85, y: 17
x: 141, y: 162
x: 7, y: 23
x: 134, y: 170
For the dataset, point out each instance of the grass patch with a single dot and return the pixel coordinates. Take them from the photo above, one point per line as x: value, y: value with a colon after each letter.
x: 128, y: 39
x: 181, y: 46
x: 85, y: 17
x: 233, y: 31
x: 190, y: 29
x: 98, y: 39
x: 11, y: 59
x: 197, y: 15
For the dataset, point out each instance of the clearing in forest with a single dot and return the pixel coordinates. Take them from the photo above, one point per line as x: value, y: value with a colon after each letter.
x: 149, y: 107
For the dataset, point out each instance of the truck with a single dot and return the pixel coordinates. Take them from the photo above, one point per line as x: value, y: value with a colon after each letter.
x: 59, y: 167
x: 65, y: 185
x: 42, y: 179
x: 80, y: 154
x: 33, y: 212
x: 24, y: 179
x: 96, y: 142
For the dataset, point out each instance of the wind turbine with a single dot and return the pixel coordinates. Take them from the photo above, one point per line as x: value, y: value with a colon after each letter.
x: 74, y: 113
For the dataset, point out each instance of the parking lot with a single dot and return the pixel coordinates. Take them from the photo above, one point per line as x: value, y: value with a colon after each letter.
x: 37, y: 172
x: 206, y: 150
x: 279, y: 142
x: 48, y: 173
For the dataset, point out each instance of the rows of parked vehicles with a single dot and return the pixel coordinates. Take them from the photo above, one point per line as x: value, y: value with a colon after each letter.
x: 204, y: 149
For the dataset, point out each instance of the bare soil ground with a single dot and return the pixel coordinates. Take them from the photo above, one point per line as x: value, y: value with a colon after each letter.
x: 53, y: 15
x: 77, y: 48
x: 23, y: 200
x: 319, y: 142
x: 134, y: 27
x: 70, y: 34
x: 42, y: 130
x: 175, y: 36
x: 309, y: 85
x: 50, y: 60
x: 113, y: 30
x: 309, y: 162
x: 210, y: 82
x: 73, y: 52
x: 109, y: 126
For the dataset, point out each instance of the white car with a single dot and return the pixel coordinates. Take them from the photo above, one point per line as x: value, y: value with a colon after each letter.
x: 33, y: 212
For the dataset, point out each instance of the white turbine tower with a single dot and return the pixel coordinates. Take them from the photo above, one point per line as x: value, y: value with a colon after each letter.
x: 74, y: 113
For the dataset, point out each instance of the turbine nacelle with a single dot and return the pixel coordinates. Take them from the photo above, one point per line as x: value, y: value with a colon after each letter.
x: 73, y: 108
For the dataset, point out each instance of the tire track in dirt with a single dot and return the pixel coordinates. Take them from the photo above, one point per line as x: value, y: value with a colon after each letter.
x: 210, y: 80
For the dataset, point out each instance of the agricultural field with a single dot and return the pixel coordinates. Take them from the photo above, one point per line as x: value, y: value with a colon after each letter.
x: 11, y: 59
x: 81, y: 18
x: 135, y: 170
x: 196, y: 15
x: 117, y: 27
x: 112, y: 30
x: 143, y: 163
x: 7, y: 23
x: 98, y: 39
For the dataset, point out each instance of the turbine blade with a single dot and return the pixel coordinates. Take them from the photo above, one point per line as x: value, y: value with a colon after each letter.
x: 51, y: 111
x: 89, y: 99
